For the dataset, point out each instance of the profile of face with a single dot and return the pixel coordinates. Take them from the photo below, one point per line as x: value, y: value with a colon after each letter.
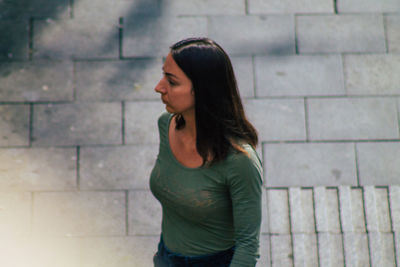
x: 175, y: 88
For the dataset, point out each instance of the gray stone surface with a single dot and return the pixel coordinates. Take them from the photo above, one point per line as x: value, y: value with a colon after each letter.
x: 326, y: 209
x: 397, y: 246
x: 330, y: 249
x: 79, y: 213
x: 153, y: 35
x: 244, y: 72
x: 281, y: 250
x: 258, y: 34
x: 299, y: 75
x: 301, y: 211
x: 14, y: 125
x: 278, y: 211
x: 265, y: 249
x: 144, y: 213
x: 305, y: 250
x: 117, y: 80
x: 351, y: 210
x: 372, y: 74
x: 203, y: 7
x: 310, y: 164
x: 37, y: 169
x: 394, y: 198
x: 77, y: 38
x: 393, y: 33
x: 287, y: 6
x: 352, y: 119
x: 15, y: 213
x: 25, y: 9
x: 377, y: 209
x: 77, y: 123
x: 14, y: 39
x: 36, y: 81
x: 341, y: 33
x: 369, y: 6
x: 277, y: 119
x: 122, y: 167
x: 379, y: 163
x: 382, y: 249
x: 265, y: 213
x: 141, y: 122
x: 356, y: 249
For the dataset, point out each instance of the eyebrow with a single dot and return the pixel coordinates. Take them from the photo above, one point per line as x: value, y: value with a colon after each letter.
x: 169, y: 74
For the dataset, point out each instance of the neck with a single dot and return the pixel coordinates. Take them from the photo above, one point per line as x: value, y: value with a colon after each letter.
x: 190, y: 124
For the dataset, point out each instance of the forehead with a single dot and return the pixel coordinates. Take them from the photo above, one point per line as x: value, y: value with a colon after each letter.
x: 171, y: 67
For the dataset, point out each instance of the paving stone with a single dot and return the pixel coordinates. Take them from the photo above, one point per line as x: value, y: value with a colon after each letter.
x: 326, y: 210
x: 287, y: 6
x: 356, y: 249
x: 393, y: 33
x: 25, y: 9
x: 372, y: 74
x: 14, y: 39
x: 341, y: 33
x: 117, y: 80
x: 277, y: 119
x: 377, y: 209
x: 244, y: 72
x: 37, y: 169
x: 36, y: 81
x: 330, y: 249
x: 379, y: 163
x: 123, y: 167
x: 371, y: 6
x: 14, y: 125
x: 352, y: 119
x: 265, y: 259
x: 15, y: 213
x: 130, y: 251
x: 278, y: 211
x: 394, y: 198
x: 310, y: 164
x: 301, y: 211
x: 141, y: 122
x: 265, y: 214
x: 203, y: 7
x: 77, y: 38
x: 79, y: 213
x: 272, y: 35
x: 153, y: 35
x: 351, y: 210
x: 281, y: 250
x: 144, y: 213
x: 382, y: 249
x: 305, y: 250
x: 299, y: 75
x: 77, y: 124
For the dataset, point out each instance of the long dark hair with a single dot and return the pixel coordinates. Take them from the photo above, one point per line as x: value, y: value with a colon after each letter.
x: 220, y: 120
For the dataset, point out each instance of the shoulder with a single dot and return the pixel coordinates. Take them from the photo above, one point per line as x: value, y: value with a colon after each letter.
x: 163, y: 120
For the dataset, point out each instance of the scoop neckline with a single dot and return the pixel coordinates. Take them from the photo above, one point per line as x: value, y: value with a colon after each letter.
x: 177, y: 162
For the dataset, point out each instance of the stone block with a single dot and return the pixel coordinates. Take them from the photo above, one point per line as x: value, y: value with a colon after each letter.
x: 330, y: 250
x: 379, y: 163
x: 326, y: 210
x: 272, y: 35
x: 377, y: 209
x: 287, y: 6
x: 369, y: 6
x: 277, y: 119
x: 299, y: 75
x: 393, y: 33
x: 352, y: 119
x: 265, y: 214
x: 15, y: 213
x: 25, y: 9
x: 36, y: 81
x: 202, y: 7
x: 144, y: 213
x: 76, y: 39
x: 305, y: 250
x: 281, y: 250
x: 301, y: 211
x: 77, y: 124
x: 14, y: 125
x: 394, y: 200
x: 153, y: 35
x: 79, y: 213
x: 117, y: 80
x: 372, y: 74
x: 341, y: 34
x: 14, y: 43
x: 37, y: 169
x: 141, y: 122
x: 310, y: 164
x: 356, y: 249
x: 265, y: 257
x: 351, y: 210
x: 278, y: 211
x: 129, y: 251
x: 397, y: 246
x: 382, y: 249
x: 116, y: 168
x: 243, y: 68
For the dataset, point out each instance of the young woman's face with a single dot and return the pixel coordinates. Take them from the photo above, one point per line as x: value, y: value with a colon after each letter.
x: 175, y: 88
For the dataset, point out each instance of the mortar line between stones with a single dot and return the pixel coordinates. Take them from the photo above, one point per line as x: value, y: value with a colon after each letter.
x: 246, y: 7
x: 123, y: 122
x: 253, y: 64
x: 366, y: 226
x: 71, y: 9
x: 384, y: 18
x: 315, y: 226
x: 30, y: 39
x: 78, y: 165
x: 342, y: 58
x: 391, y: 225
x: 306, y: 120
x: 357, y: 164
x: 127, y: 212
x: 120, y: 37
x: 335, y: 6
x: 74, y: 90
x: 290, y: 225
x: 341, y: 226
x: 30, y: 124
x: 296, y: 40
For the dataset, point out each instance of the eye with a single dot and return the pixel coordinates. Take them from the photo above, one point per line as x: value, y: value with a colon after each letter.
x: 171, y: 82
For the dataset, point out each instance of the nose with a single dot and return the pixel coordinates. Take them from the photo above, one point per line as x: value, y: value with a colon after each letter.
x: 160, y: 87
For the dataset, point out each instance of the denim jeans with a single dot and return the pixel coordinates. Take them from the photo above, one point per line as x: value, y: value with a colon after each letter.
x: 167, y: 258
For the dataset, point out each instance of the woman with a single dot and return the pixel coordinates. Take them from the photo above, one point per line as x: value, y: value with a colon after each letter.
x: 207, y: 176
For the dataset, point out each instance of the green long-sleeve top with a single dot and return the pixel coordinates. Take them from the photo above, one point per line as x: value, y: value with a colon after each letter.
x: 212, y: 208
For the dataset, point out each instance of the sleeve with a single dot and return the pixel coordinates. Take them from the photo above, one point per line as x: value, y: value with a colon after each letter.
x: 245, y: 187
